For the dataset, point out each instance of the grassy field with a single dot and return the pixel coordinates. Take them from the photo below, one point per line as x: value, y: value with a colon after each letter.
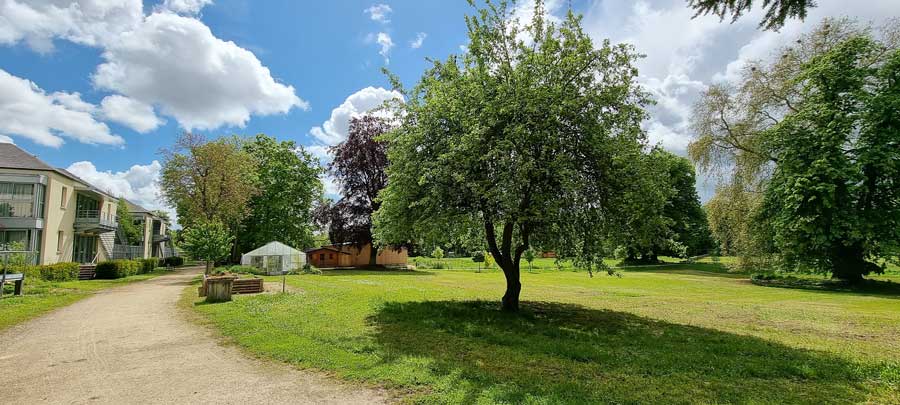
x: 43, y: 296
x: 666, y: 334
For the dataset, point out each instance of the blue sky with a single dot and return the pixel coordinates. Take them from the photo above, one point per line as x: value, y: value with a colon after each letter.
x: 99, y: 86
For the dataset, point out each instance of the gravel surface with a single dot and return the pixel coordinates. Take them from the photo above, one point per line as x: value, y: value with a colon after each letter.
x: 132, y: 344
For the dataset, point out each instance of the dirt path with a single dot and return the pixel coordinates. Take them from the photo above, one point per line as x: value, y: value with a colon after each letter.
x: 131, y: 345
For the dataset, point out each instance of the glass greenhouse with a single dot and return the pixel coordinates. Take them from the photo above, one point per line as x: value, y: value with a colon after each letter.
x: 275, y: 258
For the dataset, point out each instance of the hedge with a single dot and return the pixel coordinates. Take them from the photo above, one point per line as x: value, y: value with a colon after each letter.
x: 148, y: 265
x: 117, y: 268
x: 173, y: 261
x: 64, y: 271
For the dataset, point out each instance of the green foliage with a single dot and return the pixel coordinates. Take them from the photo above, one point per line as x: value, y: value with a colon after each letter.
x: 534, y: 144
x: 64, y: 271
x: 148, y: 265
x: 833, y: 198
x: 437, y: 253
x: 118, y: 268
x: 240, y: 269
x: 287, y: 186
x: 308, y: 269
x: 777, y: 11
x: 133, y: 233
x: 209, y: 241
x: 478, y: 257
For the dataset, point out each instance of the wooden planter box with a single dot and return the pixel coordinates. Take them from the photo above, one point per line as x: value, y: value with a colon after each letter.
x: 218, y: 289
x: 238, y: 286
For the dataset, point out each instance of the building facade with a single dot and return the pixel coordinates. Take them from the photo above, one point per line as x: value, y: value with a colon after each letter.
x: 51, y: 215
x: 155, y: 239
x: 349, y: 255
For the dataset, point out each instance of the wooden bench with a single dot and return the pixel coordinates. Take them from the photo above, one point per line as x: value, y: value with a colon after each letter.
x: 14, y: 278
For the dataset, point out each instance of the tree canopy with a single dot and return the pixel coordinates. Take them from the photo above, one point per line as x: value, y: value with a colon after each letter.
x: 207, y: 240
x: 777, y: 11
x: 287, y: 186
x: 532, y: 135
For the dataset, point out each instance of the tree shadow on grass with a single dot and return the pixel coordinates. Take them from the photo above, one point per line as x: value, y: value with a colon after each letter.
x: 868, y: 287
x: 468, y: 351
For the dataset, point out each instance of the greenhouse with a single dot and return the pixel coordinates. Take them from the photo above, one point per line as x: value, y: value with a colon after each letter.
x: 275, y: 258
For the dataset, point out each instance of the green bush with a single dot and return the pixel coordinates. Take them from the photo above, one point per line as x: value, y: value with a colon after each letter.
x: 239, y: 269
x: 173, y: 261
x: 307, y: 269
x: 147, y: 265
x: 65, y: 271
x: 117, y: 268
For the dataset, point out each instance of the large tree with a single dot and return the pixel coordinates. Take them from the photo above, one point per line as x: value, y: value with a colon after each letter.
x: 533, y: 135
x: 767, y: 130
x: 777, y: 11
x: 358, y: 164
x: 288, y: 184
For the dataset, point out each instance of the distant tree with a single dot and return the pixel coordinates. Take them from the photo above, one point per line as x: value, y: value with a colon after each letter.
x: 287, y: 186
x: 359, y: 166
x: 531, y: 135
x: 208, y: 180
x: 777, y: 11
x: 478, y: 258
x: 133, y: 234
x: 207, y: 240
x: 438, y: 254
x: 529, y: 256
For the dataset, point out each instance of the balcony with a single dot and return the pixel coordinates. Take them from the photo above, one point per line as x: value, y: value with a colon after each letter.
x: 157, y: 238
x: 94, y: 221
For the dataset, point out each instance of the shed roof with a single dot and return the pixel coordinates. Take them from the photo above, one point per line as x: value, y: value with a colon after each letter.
x: 273, y: 248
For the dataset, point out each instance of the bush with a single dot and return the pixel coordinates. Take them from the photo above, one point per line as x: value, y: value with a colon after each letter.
x: 173, y: 261
x: 147, y: 265
x: 239, y: 269
x: 112, y: 269
x: 65, y: 271
x: 307, y: 269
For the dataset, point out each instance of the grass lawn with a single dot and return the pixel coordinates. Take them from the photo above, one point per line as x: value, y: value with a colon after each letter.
x: 664, y: 334
x: 43, y: 296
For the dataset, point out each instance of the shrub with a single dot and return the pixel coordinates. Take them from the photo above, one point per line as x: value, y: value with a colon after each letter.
x: 147, y: 265
x: 173, y: 261
x: 239, y: 269
x: 65, y: 271
x: 307, y: 269
x: 119, y: 268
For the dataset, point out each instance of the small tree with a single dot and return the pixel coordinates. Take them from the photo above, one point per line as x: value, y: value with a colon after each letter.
x: 529, y: 255
x: 209, y: 241
x: 488, y: 261
x: 478, y: 257
x: 438, y: 254
x: 131, y: 231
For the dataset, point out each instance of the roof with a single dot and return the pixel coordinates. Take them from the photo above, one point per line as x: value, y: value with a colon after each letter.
x: 328, y: 248
x: 273, y: 248
x: 137, y: 209
x: 14, y: 157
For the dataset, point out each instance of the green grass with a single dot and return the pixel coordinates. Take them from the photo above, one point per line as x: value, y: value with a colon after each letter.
x: 40, y: 297
x: 687, y: 333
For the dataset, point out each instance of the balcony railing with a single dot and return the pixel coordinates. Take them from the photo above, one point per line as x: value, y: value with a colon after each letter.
x: 128, y: 251
x: 156, y: 238
x: 95, y: 218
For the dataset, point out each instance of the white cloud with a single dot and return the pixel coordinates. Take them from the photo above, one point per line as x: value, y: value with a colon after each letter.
x: 335, y: 130
x: 5, y: 139
x: 417, y: 43
x: 27, y: 111
x: 139, y: 184
x: 185, y: 6
x: 176, y: 63
x: 86, y: 22
x: 167, y: 60
x: 129, y: 112
x: 383, y: 39
x: 379, y: 12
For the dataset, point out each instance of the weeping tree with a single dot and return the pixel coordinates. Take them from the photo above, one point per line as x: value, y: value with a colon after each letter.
x: 777, y: 11
x: 532, y: 135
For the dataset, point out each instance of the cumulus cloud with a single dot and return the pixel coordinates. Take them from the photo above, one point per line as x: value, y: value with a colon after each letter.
x: 176, y: 62
x: 27, y: 111
x: 417, y: 43
x: 379, y: 12
x: 185, y: 6
x: 168, y: 60
x: 335, y: 130
x: 86, y: 22
x: 139, y: 184
x: 129, y: 112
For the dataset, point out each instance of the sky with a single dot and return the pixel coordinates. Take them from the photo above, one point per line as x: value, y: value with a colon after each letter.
x: 100, y: 86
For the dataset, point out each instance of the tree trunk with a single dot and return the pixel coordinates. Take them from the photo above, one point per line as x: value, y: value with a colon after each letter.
x: 510, y: 301
x: 373, y: 256
x: 208, y: 267
x: 849, y: 264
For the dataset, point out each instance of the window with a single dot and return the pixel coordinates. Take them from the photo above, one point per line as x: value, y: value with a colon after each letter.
x: 14, y: 239
x: 321, y: 256
x: 65, y: 195
x: 16, y: 200
x: 39, y: 190
x: 60, y: 241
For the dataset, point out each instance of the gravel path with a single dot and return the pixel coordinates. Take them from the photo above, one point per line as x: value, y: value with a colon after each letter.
x: 131, y: 344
